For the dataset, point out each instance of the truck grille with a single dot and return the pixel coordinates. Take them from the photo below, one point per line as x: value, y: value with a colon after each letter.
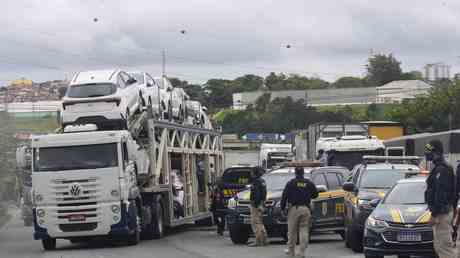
x: 77, y: 203
x: 78, y: 227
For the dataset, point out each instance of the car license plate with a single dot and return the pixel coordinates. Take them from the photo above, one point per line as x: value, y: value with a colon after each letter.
x: 407, y: 236
x: 77, y: 218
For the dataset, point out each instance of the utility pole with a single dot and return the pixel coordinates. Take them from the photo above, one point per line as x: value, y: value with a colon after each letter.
x: 163, y: 54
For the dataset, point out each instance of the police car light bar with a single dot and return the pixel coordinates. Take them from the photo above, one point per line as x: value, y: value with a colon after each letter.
x: 388, y: 159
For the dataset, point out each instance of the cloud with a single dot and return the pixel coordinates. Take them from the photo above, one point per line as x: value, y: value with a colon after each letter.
x: 47, y: 39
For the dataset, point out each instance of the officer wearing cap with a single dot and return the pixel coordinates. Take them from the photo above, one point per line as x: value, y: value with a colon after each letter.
x: 440, y: 196
x: 258, y: 196
x: 297, y: 196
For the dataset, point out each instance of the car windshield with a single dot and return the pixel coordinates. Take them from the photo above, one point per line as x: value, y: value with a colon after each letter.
x: 381, y: 178
x: 277, y: 182
x: 237, y: 176
x: 138, y: 76
x: 75, y: 157
x: 91, y: 90
x: 407, y: 193
x: 277, y: 179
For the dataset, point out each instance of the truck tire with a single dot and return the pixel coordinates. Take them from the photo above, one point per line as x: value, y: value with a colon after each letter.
x: 49, y: 244
x: 157, y: 227
x: 135, y: 237
x: 239, y: 234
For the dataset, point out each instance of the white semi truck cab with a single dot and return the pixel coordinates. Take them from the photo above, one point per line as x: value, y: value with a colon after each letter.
x: 84, y: 185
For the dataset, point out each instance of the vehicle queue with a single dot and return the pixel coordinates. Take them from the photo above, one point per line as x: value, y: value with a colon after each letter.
x: 378, y: 208
x: 366, y: 207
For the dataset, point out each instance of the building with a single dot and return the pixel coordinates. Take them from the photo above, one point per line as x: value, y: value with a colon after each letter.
x: 242, y: 100
x: 342, y: 96
x: 316, y: 97
x: 397, y: 91
x: 436, y: 71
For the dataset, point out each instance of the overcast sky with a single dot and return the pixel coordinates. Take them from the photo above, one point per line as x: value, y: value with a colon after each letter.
x: 45, y: 39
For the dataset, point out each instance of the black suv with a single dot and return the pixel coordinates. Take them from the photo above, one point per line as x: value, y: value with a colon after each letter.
x: 327, y: 209
x: 234, y: 180
x: 368, y: 182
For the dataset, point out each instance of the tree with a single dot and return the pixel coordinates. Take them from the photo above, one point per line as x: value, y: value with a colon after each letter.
x: 263, y: 102
x: 249, y: 82
x: 349, y: 82
x: 412, y: 75
x: 382, y: 69
x: 372, y: 112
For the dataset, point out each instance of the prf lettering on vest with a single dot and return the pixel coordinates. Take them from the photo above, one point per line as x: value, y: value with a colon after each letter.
x: 301, y: 184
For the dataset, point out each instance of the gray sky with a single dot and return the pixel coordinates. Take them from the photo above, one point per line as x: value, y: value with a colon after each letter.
x: 45, y: 39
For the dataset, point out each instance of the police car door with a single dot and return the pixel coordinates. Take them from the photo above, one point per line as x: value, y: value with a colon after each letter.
x: 323, y: 211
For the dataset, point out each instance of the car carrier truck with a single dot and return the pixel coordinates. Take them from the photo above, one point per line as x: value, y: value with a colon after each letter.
x: 121, y: 184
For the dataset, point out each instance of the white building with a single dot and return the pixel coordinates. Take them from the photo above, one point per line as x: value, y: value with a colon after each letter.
x: 437, y: 71
x: 397, y: 91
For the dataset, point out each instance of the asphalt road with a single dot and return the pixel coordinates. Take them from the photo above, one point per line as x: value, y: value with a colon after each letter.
x: 188, y: 241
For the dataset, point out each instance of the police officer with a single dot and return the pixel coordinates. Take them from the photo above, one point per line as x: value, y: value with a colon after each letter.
x: 322, y: 157
x: 258, y: 196
x: 218, y: 209
x: 297, y: 196
x: 440, y: 196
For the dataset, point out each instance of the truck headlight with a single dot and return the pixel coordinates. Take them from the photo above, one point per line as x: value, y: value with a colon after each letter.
x: 40, y: 213
x: 232, y: 203
x: 38, y: 198
x: 376, y: 223
x: 115, y: 208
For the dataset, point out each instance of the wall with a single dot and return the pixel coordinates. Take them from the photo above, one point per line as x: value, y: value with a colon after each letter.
x: 235, y: 157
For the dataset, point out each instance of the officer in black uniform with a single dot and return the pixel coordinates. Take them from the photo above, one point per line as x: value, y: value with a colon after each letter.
x: 258, y: 196
x: 441, y: 197
x: 298, y: 194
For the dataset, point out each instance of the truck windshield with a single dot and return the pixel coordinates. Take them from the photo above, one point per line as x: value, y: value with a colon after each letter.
x: 91, y: 90
x: 349, y: 159
x: 75, y: 157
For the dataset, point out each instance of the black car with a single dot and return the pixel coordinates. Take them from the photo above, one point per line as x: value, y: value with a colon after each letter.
x: 368, y: 182
x: 327, y: 209
x: 400, y: 223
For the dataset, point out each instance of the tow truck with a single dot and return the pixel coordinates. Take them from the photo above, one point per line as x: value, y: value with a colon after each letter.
x: 107, y: 190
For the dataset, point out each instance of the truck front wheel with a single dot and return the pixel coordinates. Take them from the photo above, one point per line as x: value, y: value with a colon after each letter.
x: 155, y: 228
x: 135, y: 237
x: 157, y: 221
x: 239, y: 234
x: 49, y: 244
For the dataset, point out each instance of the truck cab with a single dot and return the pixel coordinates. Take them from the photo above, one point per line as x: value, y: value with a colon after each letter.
x: 84, y: 187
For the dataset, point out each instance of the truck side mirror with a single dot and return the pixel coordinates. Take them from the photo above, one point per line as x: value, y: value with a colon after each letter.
x: 348, y: 186
x: 23, y: 158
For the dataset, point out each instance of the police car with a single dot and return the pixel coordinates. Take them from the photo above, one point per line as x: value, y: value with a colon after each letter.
x: 327, y: 209
x: 400, y: 223
x: 369, y: 181
x: 233, y: 180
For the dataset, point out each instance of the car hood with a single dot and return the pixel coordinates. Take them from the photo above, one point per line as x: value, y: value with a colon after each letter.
x: 271, y: 195
x: 370, y: 194
x: 402, y: 213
